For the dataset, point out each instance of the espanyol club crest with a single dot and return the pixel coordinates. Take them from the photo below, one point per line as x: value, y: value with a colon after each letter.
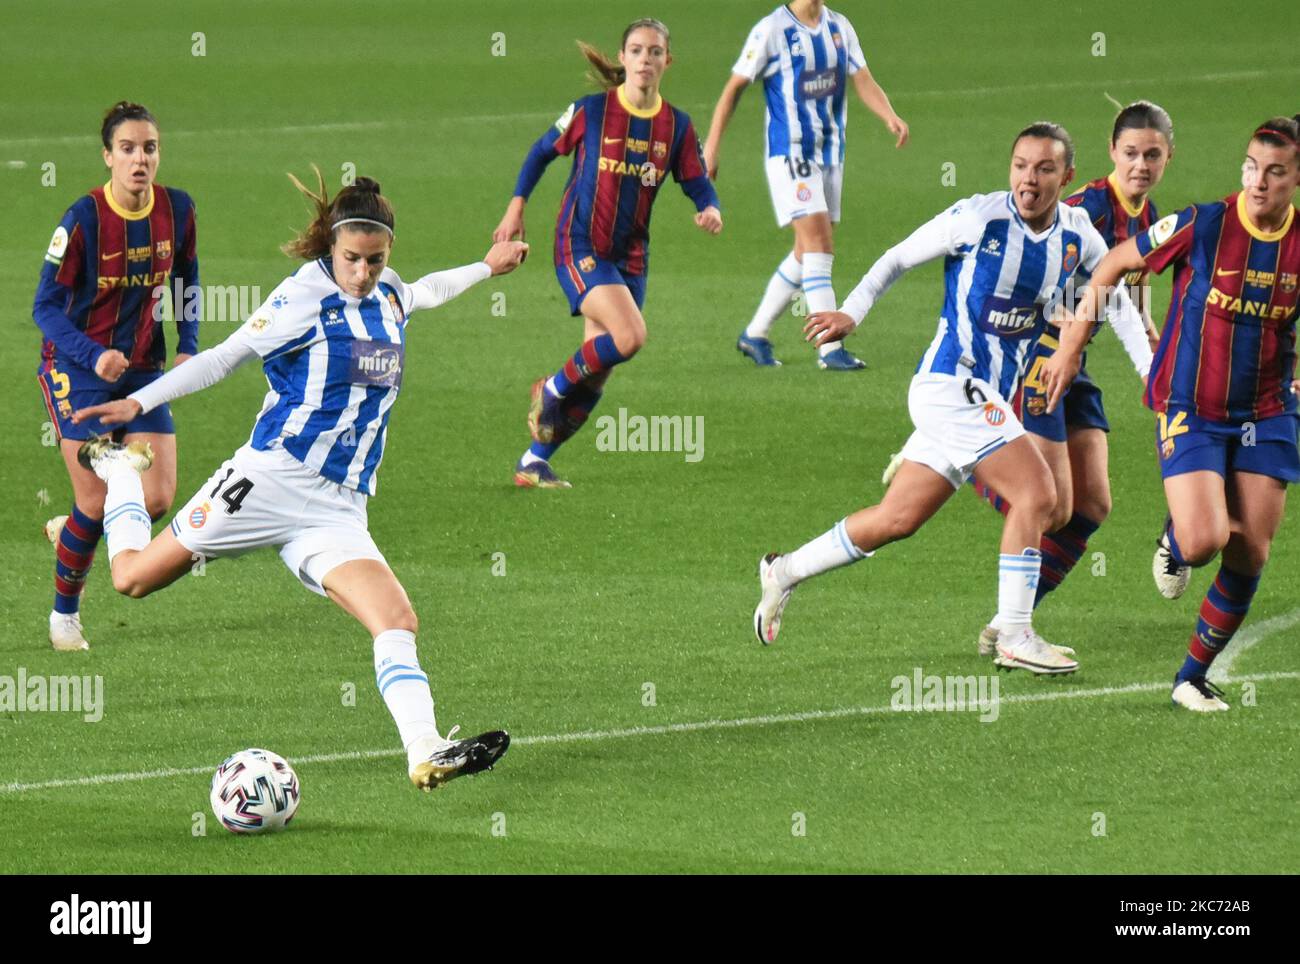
x: 994, y: 415
x: 802, y: 193
x: 398, y: 315
x: 199, y: 517
x: 1070, y: 260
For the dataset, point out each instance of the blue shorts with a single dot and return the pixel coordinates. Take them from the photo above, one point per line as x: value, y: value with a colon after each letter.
x: 1186, y: 443
x: 1080, y: 408
x: 68, y: 387
x: 579, y: 276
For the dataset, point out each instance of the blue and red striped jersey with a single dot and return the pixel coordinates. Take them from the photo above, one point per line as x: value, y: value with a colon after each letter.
x: 621, y: 156
x: 97, y: 287
x: 1113, y: 217
x: 1227, y: 351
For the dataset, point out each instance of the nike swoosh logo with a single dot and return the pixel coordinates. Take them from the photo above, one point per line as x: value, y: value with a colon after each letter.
x: 1223, y: 274
x: 109, y: 257
x: 613, y: 140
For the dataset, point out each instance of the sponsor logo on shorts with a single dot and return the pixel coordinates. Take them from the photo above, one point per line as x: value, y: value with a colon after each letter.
x: 993, y: 414
x: 587, y: 265
x: 199, y: 517
x: 803, y: 193
x: 376, y: 363
x: 1070, y: 260
x: 814, y: 85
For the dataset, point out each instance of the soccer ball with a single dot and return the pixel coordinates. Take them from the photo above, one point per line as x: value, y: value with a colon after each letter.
x: 254, y: 791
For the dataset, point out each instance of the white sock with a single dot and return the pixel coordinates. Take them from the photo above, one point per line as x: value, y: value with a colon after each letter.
x: 830, y: 550
x: 529, y: 457
x: 776, y: 299
x: 405, y: 690
x: 126, y: 522
x: 818, y: 290
x: 1017, y: 586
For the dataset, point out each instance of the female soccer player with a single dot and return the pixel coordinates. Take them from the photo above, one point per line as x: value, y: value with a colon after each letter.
x: 1072, y: 437
x: 331, y: 338
x: 625, y: 140
x: 95, y: 305
x: 805, y: 54
x: 1008, y: 257
x: 1221, y: 386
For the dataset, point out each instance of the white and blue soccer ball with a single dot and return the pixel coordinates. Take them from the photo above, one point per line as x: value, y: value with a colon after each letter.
x: 254, y: 791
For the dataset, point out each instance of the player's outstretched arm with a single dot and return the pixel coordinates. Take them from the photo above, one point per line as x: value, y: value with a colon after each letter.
x: 931, y: 240
x: 441, y: 287
x: 722, y: 112
x: 1060, y: 370
x: 201, y: 371
x: 877, y: 101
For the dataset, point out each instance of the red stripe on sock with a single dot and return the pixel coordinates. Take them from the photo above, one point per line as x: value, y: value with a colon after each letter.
x: 590, y: 357
x: 1218, y: 619
x: 1199, y: 651
x: 75, y: 528
x: 74, y: 560
x: 65, y: 587
x: 571, y: 372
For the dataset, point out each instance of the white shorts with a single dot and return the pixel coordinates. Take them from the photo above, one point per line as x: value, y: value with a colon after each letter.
x: 796, y: 194
x: 269, y: 498
x: 959, y: 422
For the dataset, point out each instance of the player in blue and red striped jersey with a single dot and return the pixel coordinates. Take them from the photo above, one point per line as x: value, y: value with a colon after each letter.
x: 1072, y: 438
x: 625, y: 141
x: 1221, y: 385
x: 113, y: 255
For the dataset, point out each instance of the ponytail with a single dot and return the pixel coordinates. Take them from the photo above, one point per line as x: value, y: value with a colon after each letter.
x: 360, y: 205
x: 606, y: 73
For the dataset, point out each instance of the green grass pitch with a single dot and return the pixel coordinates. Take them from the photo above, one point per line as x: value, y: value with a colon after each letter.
x: 644, y: 572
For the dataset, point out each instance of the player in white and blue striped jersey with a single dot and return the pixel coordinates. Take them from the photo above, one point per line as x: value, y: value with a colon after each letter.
x: 1009, y: 260
x: 332, y: 340
x: 806, y: 56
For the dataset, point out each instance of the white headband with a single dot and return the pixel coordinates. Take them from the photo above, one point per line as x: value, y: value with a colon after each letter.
x: 338, y: 224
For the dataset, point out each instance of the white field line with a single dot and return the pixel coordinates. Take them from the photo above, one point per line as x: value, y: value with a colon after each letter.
x: 1248, y: 637
x: 344, y: 127
x: 591, y: 736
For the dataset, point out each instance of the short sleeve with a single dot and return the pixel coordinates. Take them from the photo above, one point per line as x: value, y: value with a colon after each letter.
x: 1168, y: 240
x: 757, y: 52
x: 857, y: 60
x: 279, y: 326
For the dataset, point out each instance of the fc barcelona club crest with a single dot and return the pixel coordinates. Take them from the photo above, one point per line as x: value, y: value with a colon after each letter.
x: 1070, y: 260
x: 588, y: 265
x: 1288, y: 282
x: 660, y: 149
x: 1036, y: 404
x: 163, y: 250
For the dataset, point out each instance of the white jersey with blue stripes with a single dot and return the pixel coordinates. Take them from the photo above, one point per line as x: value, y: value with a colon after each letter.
x: 1001, y: 282
x: 805, y: 73
x: 334, y: 366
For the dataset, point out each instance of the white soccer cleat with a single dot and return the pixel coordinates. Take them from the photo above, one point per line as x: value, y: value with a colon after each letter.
x: 988, y: 643
x: 1025, y: 649
x: 1198, y: 695
x: 54, y: 528
x: 103, y: 456
x: 767, y: 617
x: 65, y: 633
x: 1171, y: 578
x: 891, y: 470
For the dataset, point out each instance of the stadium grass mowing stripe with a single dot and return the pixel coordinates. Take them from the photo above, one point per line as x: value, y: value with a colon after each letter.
x: 666, y: 729
x: 461, y: 120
